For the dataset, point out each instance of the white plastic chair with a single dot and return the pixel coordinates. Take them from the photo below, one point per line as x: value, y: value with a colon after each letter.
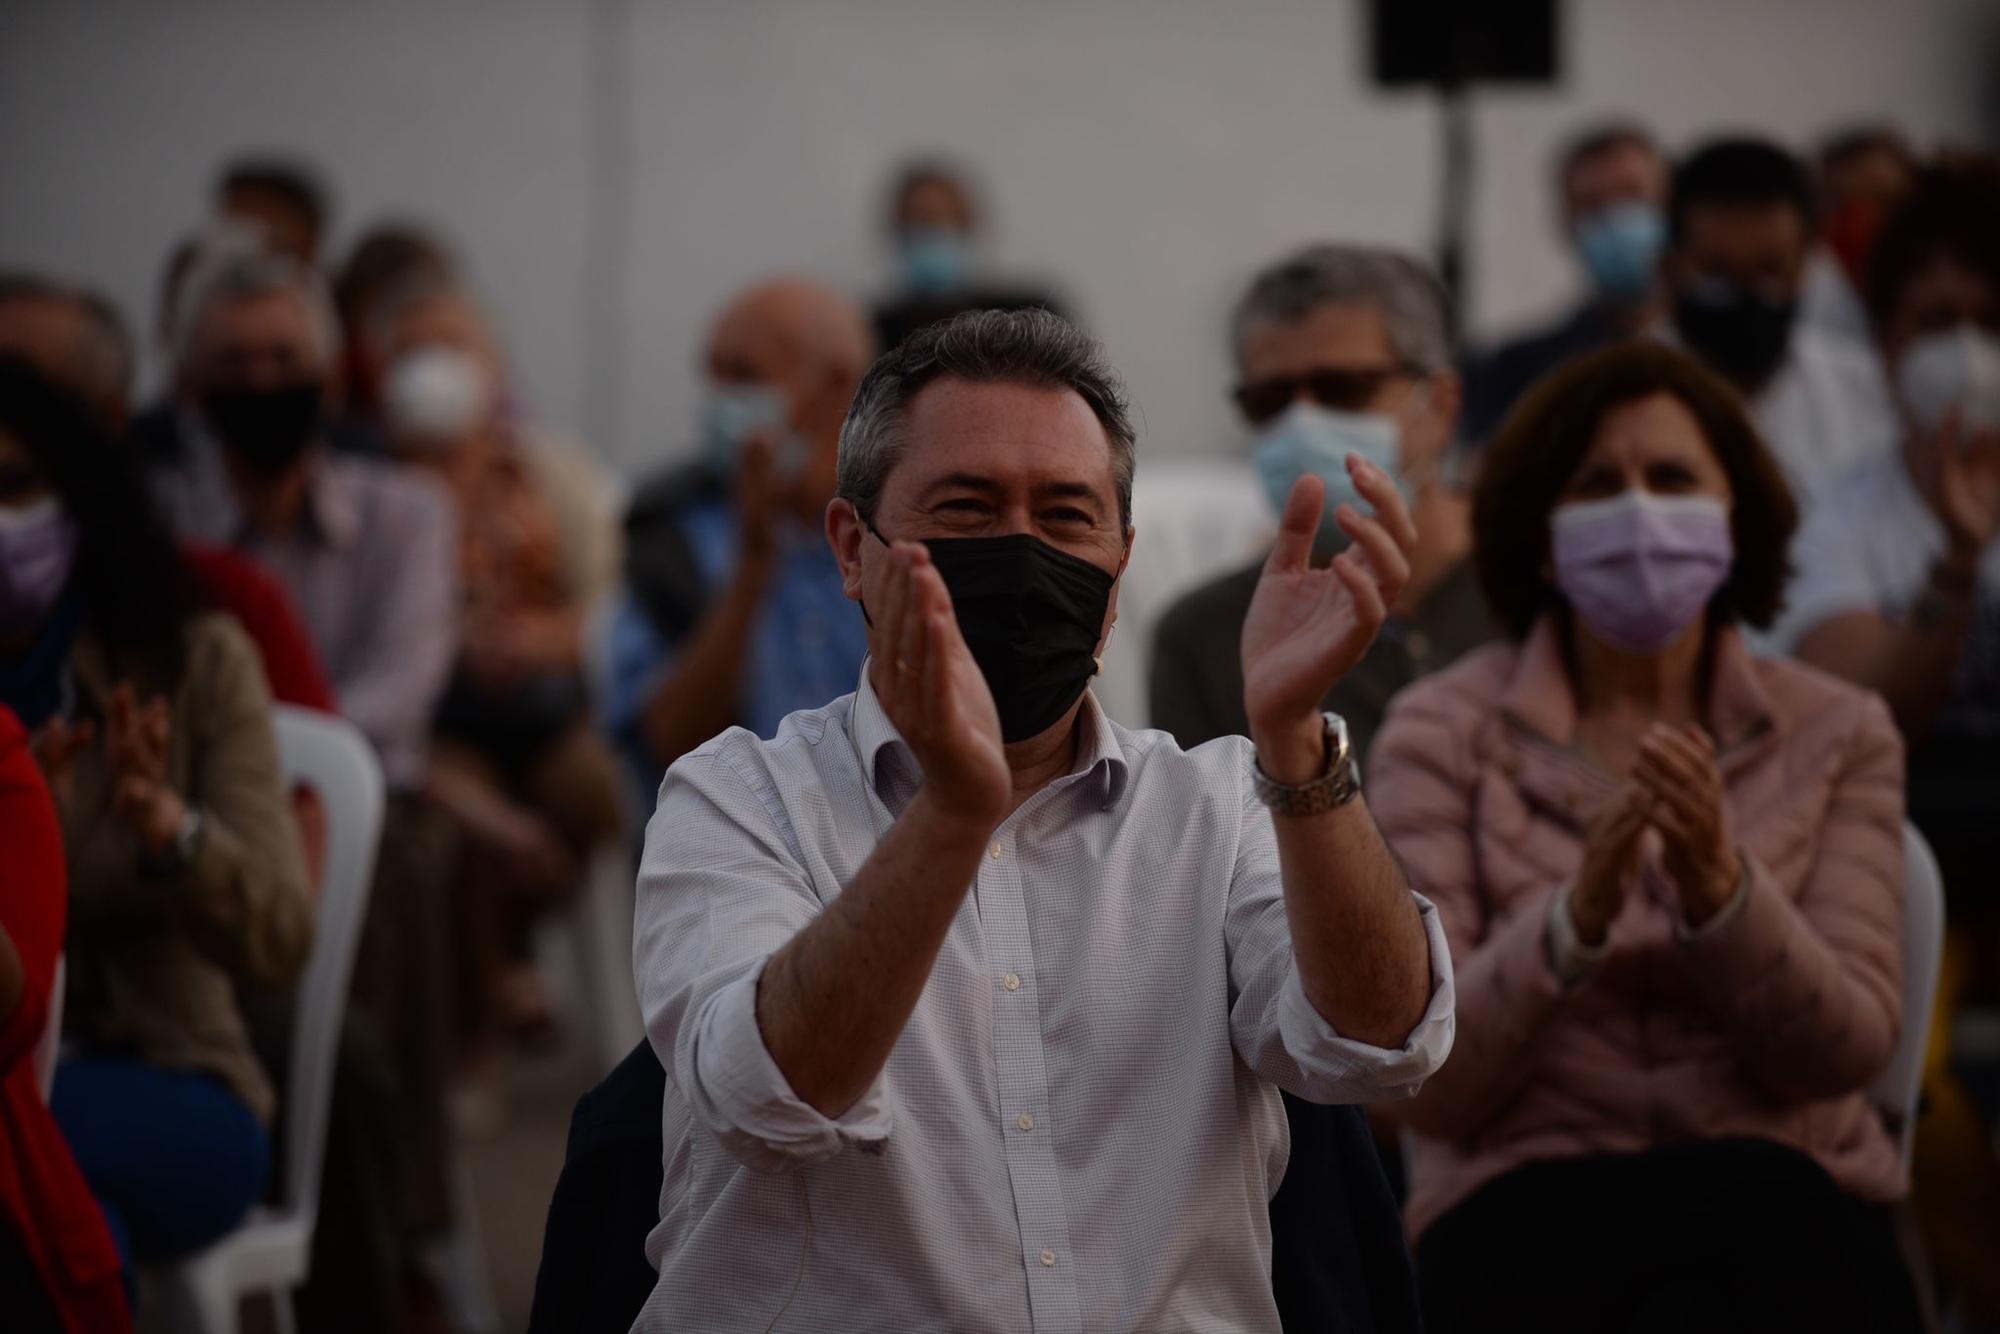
x: 1895, y: 1089
x: 271, y: 1251
x: 1197, y: 518
x: 49, y: 1045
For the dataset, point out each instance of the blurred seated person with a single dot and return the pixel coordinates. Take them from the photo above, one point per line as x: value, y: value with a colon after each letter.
x: 936, y: 226
x: 1865, y: 172
x: 1671, y: 874
x: 282, y: 199
x: 1339, y: 350
x: 1899, y: 591
x: 368, y: 551
x: 1741, y: 223
x: 514, y: 756
x: 1899, y: 572
x: 390, y: 257
x: 734, y: 612
x: 59, y: 1268
x: 187, y: 887
x: 1611, y: 195
x: 77, y: 340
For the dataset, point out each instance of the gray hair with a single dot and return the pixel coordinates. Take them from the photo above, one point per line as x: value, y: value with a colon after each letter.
x: 1402, y: 287
x: 237, y: 275
x: 1027, y: 347
x: 100, y: 359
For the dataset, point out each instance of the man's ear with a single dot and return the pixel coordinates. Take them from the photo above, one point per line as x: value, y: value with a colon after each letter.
x: 845, y: 533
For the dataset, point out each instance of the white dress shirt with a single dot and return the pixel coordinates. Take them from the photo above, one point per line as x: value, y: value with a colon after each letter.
x: 1826, y: 410
x: 1079, y: 1128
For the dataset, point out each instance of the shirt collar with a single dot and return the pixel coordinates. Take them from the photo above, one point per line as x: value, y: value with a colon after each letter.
x: 332, y: 509
x: 1539, y: 696
x: 1101, y: 758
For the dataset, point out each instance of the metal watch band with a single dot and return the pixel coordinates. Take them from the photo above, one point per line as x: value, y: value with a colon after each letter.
x: 1340, y: 784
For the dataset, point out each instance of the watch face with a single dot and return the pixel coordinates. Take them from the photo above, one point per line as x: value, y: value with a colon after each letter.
x: 1336, y: 730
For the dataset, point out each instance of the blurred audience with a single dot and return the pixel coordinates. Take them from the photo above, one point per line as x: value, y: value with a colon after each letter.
x: 367, y: 550
x: 187, y: 886
x: 1899, y: 591
x: 937, y: 228
x: 1339, y: 350
x: 734, y: 612
x: 515, y: 757
x: 1672, y: 878
x: 1611, y: 194
x: 59, y: 1268
x: 1741, y: 226
x: 1864, y: 173
x: 282, y: 199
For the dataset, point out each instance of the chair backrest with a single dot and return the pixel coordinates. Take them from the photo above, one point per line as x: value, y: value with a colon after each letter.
x: 1895, y: 1089
x: 49, y: 1045
x: 331, y: 757
x: 1197, y: 518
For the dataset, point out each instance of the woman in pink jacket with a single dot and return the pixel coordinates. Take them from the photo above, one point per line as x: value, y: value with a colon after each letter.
x: 1671, y: 875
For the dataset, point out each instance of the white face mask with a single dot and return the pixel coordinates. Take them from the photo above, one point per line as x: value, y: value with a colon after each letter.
x: 436, y: 393
x: 1958, y: 368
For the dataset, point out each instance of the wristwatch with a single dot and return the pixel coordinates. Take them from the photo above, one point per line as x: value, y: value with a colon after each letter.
x: 187, y: 842
x: 1340, y: 784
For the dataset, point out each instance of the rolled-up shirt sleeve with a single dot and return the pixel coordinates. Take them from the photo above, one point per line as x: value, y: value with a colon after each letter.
x: 720, y: 890
x: 1275, y: 1027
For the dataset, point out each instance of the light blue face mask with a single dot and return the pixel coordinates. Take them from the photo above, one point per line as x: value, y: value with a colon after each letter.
x: 936, y: 260
x: 1620, y: 246
x: 1311, y: 439
x: 731, y: 414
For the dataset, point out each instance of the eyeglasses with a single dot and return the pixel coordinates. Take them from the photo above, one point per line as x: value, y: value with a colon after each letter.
x: 1348, y: 389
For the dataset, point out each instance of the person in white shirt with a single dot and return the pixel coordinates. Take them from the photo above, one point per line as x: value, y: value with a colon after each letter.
x: 1899, y: 589
x: 974, y: 1005
x: 1740, y: 222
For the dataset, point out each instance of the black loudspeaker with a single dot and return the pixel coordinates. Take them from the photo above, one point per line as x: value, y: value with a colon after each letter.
x: 1451, y: 43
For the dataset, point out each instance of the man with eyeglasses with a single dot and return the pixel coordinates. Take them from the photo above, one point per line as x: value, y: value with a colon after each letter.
x: 1339, y: 349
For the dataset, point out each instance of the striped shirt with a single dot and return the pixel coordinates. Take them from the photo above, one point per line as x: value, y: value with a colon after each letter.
x: 1079, y: 1127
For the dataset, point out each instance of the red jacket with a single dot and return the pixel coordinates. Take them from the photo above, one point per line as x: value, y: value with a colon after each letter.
x: 225, y: 581
x: 43, y: 1196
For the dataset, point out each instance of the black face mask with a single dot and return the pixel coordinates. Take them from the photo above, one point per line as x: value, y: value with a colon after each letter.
x: 1031, y: 615
x: 265, y: 429
x: 1740, y: 334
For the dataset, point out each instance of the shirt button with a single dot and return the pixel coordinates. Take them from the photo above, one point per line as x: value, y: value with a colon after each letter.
x: 1011, y: 982
x: 996, y: 852
x: 1419, y: 645
x: 1025, y: 1121
x: 1048, y: 1259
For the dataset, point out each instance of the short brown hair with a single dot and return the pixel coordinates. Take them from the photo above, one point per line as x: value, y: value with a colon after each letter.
x: 1543, y: 440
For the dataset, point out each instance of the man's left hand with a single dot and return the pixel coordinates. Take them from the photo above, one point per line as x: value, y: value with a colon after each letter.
x: 1307, y: 627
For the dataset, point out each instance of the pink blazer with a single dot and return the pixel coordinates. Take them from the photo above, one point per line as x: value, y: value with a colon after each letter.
x: 1771, y: 1026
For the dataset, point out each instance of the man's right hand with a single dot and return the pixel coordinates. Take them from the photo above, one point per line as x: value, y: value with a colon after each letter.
x: 933, y: 692
x: 1610, y: 854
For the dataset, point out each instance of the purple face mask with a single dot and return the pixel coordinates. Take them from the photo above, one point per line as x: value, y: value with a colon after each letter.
x: 1639, y: 568
x: 37, y: 549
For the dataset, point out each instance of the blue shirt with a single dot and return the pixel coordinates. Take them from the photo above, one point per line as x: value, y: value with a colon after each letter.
x: 805, y: 647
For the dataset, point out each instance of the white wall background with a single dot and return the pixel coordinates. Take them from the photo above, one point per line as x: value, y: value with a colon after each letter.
x: 613, y: 168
